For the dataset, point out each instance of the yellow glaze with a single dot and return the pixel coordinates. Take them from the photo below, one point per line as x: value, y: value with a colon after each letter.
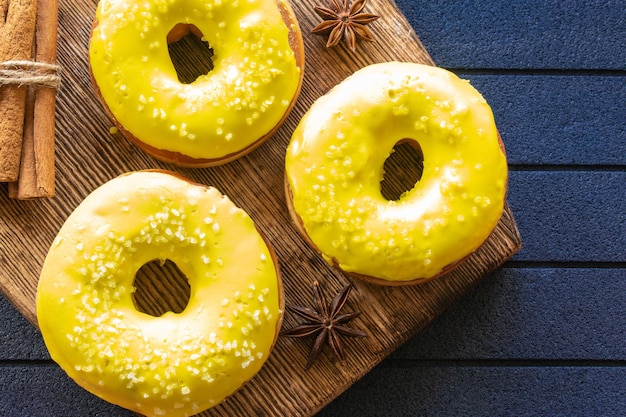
x: 334, y: 166
x: 176, y: 364
x: 247, y: 93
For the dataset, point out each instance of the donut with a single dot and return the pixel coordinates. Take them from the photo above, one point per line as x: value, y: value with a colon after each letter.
x: 258, y: 59
x: 177, y: 364
x: 334, y: 168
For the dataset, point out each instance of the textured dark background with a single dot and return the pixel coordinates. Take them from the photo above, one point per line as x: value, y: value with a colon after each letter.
x: 546, y: 334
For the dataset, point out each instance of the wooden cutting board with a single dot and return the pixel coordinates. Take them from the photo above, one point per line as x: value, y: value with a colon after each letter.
x: 88, y: 155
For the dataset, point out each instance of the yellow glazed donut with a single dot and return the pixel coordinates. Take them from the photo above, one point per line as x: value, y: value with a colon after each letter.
x: 175, y: 364
x: 334, y: 167
x: 258, y: 68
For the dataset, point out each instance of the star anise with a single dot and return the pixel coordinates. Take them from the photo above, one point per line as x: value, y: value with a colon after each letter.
x: 325, y: 321
x: 342, y: 20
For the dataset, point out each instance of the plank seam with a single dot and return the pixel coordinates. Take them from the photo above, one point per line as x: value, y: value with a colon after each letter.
x: 26, y: 363
x: 568, y: 167
x: 541, y: 72
x: 514, y: 264
x: 503, y: 363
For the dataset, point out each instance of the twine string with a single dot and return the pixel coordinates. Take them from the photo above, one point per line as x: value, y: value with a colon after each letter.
x: 36, y: 74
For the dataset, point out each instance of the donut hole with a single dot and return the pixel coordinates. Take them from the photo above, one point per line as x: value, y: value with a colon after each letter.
x: 402, y: 169
x: 160, y: 287
x: 190, y: 55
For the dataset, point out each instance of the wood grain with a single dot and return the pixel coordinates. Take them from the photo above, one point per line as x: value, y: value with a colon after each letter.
x: 88, y: 155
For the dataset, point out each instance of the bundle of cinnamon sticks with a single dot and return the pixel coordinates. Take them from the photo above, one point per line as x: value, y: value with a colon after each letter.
x: 28, y: 83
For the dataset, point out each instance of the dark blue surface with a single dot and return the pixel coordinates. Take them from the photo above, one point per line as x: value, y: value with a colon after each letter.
x: 526, y: 315
x: 521, y: 34
x: 546, y: 334
x: 453, y: 390
x: 558, y: 120
x: 576, y: 216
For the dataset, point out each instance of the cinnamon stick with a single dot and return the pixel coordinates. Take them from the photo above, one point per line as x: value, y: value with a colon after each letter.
x: 17, y: 30
x: 36, y: 175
